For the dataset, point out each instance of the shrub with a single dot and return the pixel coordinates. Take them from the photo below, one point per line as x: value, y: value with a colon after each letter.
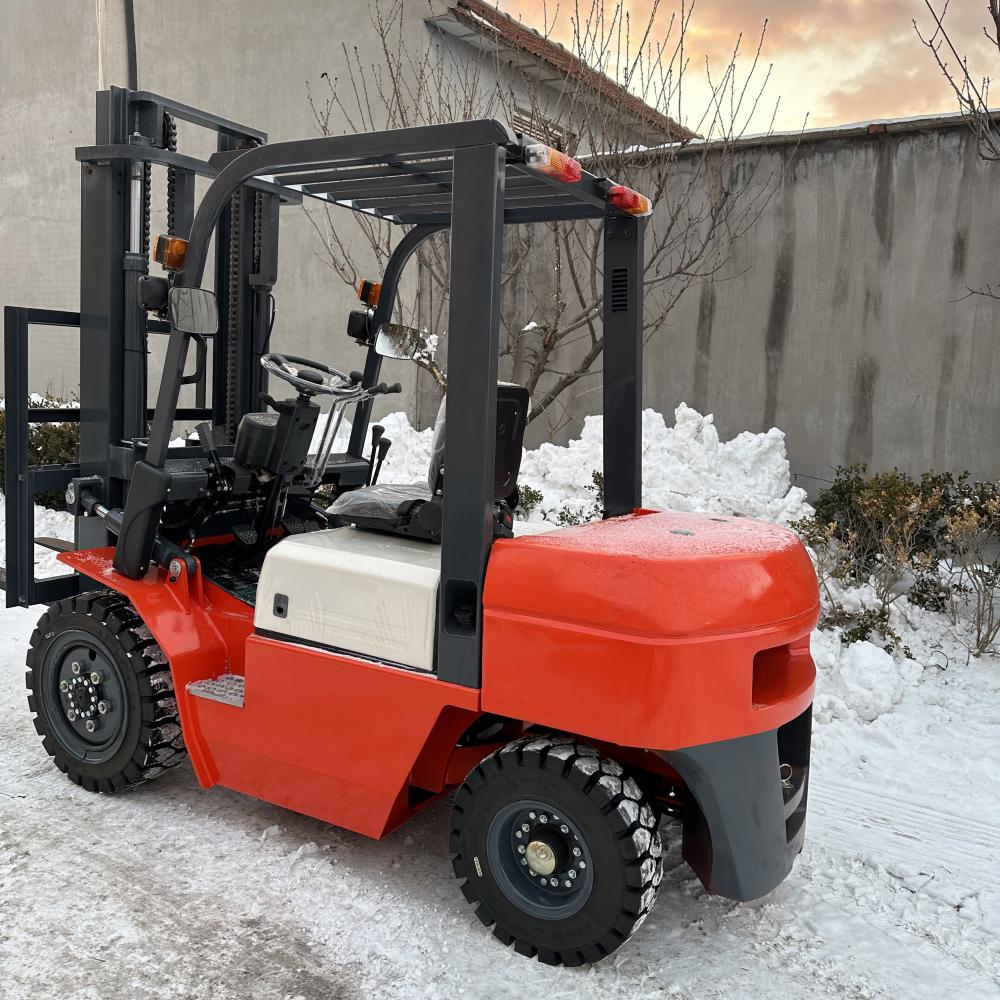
x: 895, y: 533
x: 973, y: 531
x: 592, y: 510
x: 528, y: 499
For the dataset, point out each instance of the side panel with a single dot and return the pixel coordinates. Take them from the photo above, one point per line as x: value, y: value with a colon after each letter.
x: 329, y: 736
x: 640, y: 692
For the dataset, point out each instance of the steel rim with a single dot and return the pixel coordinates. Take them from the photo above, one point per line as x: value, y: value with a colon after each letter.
x: 540, y: 859
x: 84, y: 697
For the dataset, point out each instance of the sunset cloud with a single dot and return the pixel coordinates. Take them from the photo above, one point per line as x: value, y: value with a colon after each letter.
x: 833, y: 60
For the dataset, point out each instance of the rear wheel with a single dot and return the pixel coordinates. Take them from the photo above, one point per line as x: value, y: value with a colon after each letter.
x: 559, y: 849
x: 102, y: 693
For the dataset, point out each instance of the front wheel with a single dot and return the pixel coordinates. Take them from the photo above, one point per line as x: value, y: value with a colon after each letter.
x: 102, y: 694
x: 559, y: 849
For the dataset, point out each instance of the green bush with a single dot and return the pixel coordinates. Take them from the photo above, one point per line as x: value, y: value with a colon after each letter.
x: 48, y: 444
x: 895, y: 533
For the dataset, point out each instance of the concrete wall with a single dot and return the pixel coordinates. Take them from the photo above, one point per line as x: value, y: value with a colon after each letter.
x: 844, y: 316
x: 841, y: 317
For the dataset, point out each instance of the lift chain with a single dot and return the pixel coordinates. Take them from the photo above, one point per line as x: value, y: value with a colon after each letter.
x: 232, y: 314
x: 170, y: 129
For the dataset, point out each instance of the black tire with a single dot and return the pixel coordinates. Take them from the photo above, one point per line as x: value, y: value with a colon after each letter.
x: 603, y: 816
x: 136, y: 734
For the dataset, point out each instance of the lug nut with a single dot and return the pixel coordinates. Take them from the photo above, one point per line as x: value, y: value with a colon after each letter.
x: 531, y: 815
x: 567, y: 883
x: 71, y: 715
x: 96, y: 678
x: 571, y: 873
x: 564, y: 828
x: 102, y: 707
x: 64, y: 685
x: 524, y: 861
x: 577, y: 852
x: 525, y: 827
x: 520, y: 848
x: 583, y: 864
x: 90, y: 725
x: 543, y: 818
x: 75, y: 667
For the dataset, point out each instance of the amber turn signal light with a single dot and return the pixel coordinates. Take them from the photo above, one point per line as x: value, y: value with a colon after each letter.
x: 625, y: 199
x: 170, y: 252
x: 368, y: 292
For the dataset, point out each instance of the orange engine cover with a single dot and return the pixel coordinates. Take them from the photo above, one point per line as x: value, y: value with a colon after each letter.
x: 654, y: 630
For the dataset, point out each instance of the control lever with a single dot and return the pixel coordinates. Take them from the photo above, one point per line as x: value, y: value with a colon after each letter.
x: 207, y: 439
x: 383, y: 449
x: 377, y: 431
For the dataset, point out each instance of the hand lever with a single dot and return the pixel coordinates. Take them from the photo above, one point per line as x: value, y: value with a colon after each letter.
x: 377, y: 431
x: 207, y: 440
x: 383, y: 448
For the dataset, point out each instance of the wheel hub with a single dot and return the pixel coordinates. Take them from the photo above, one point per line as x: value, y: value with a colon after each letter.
x: 540, y: 858
x: 85, y: 696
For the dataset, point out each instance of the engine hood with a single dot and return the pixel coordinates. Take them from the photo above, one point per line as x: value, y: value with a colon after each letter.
x: 657, y: 574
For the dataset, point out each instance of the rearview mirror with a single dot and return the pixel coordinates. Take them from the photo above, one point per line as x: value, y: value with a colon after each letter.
x: 193, y: 310
x: 405, y: 343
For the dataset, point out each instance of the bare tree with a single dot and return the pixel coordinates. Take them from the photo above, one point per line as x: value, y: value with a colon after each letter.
x: 551, y: 330
x: 971, y: 93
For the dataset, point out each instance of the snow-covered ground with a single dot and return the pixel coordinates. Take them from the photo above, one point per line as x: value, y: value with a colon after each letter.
x: 173, y: 892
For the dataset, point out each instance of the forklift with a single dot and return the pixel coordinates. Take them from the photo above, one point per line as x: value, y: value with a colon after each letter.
x: 354, y: 650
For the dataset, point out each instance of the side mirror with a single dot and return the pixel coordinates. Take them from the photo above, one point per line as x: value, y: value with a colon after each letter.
x: 404, y: 343
x: 193, y: 310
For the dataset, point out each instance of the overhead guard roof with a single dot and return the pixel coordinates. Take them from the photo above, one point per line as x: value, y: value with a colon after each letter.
x: 409, y: 179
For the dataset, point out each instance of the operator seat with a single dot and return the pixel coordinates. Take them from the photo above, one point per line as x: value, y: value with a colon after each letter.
x: 414, y: 509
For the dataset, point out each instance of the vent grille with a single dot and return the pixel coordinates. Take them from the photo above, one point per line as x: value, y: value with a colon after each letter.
x: 619, y: 289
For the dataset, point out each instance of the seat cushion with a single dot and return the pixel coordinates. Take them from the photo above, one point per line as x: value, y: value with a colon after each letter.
x: 379, y: 502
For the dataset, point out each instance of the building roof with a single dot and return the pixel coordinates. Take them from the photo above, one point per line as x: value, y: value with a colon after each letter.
x: 482, y: 25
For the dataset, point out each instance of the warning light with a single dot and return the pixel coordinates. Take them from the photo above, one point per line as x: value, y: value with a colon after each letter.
x: 629, y: 201
x: 368, y: 292
x: 552, y: 163
x: 170, y: 252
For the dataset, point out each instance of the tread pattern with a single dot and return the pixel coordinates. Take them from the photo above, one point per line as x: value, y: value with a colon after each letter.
x: 629, y: 814
x: 161, y: 742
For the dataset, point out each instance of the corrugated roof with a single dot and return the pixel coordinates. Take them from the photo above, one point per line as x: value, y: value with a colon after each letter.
x: 484, y: 19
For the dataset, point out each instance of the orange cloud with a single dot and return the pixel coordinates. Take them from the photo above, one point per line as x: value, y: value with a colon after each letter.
x: 837, y: 60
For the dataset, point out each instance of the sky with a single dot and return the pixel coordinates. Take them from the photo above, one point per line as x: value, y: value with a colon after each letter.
x: 832, y: 61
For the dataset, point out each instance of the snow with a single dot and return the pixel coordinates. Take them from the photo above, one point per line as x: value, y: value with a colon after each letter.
x: 171, y: 891
x: 686, y: 467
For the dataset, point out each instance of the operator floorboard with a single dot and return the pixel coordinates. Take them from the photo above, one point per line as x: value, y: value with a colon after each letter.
x: 230, y: 572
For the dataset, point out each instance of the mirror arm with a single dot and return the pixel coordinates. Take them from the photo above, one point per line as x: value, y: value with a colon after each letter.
x: 394, y: 270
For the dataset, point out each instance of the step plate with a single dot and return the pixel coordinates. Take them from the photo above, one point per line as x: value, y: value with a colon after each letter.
x: 228, y: 689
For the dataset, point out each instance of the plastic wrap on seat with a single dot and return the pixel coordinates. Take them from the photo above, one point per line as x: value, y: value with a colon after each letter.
x: 381, y: 501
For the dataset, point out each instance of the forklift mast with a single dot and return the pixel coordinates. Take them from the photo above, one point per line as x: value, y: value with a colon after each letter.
x: 137, y: 131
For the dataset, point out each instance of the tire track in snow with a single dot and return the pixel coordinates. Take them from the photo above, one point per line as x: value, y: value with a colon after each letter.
x: 893, y: 828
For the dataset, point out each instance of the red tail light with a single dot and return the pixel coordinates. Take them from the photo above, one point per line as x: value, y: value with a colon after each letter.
x: 625, y: 199
x: 552, y: 163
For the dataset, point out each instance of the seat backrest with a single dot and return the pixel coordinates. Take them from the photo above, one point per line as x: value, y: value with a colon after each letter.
x: 512, y: 418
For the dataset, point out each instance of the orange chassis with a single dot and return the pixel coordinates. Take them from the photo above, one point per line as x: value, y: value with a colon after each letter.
x: 634, y: 634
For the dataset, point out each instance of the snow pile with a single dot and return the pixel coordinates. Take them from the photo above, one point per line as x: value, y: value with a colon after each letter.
x: 860, y: 680
x: 685, y: 467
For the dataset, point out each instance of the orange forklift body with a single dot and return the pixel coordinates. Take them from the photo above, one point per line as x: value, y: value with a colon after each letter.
x: 663, y: 604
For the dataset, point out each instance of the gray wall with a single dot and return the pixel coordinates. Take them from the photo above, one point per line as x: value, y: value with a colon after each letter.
x: 844, y: 316
x: 841, y: 317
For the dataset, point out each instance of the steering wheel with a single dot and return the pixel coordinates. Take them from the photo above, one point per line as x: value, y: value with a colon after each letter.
x: 311, y: 378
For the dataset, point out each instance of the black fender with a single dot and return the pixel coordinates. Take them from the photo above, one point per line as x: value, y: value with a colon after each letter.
x: 746, y: 825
